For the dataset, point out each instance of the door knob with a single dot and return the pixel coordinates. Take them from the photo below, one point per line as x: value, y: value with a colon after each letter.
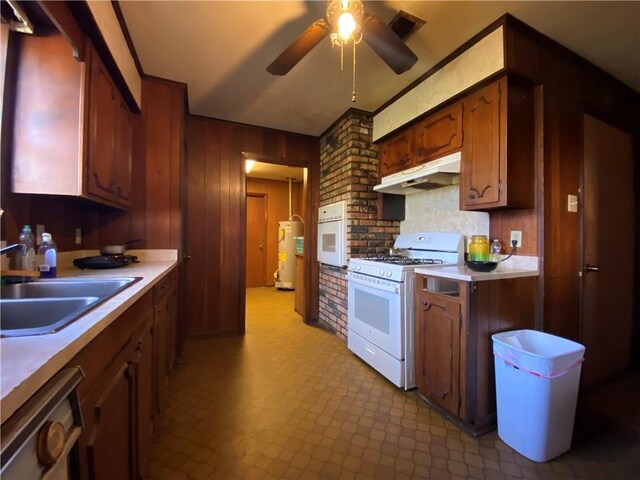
x: 590, y: 268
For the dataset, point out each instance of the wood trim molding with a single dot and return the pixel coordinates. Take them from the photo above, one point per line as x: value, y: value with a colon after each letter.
x: 127, y: 35
x: 62, y: 18
x: 88, y: 25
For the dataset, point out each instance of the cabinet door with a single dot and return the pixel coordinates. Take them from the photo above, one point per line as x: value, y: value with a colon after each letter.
x: 144, y: 396
x: 122, y: 160
x: 437, y: 337
x: 438, y: 134
x: 396, y: 153
x: 102, y: 112
x: 110, y: 450
x: 162, y: 320
x: 482, y: 151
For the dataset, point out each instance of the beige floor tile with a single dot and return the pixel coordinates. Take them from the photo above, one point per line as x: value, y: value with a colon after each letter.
x: 288, y: 400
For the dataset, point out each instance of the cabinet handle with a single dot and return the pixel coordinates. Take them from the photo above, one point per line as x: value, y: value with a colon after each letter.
x: 472, y: 196
x: 404, y: 159
x: 425, y: 303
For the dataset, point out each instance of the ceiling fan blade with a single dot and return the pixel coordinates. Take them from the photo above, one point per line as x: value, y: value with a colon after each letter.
x: 299, y: 48
x: 387, y: 44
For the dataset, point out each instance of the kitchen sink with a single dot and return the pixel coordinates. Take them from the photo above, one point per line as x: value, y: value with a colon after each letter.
x: 66, y: 287
x: 46, y: 306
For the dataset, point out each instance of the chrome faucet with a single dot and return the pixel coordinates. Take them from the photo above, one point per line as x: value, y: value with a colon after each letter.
x: 15, y: 246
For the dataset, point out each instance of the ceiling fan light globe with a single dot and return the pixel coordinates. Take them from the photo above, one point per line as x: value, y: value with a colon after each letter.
x: 346, y: 25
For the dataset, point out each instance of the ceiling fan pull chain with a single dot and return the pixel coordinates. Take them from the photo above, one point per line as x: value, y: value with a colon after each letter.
x: 353, y: 95
x: 341, y: 57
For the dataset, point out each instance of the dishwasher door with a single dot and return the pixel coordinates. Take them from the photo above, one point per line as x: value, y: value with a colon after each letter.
x: 39, y: 438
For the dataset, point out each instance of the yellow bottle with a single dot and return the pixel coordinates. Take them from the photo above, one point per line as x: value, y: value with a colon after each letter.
x: 479, y: 248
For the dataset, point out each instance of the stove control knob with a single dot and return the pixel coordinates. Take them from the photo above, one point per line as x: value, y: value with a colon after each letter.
x: 356, y: 268
x: 381, y: 272
x: 388, y: 273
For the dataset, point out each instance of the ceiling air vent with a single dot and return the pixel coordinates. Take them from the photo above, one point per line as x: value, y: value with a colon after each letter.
x: 404, y: 24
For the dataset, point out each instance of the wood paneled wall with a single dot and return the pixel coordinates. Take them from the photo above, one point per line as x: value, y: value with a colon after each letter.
x: 163, y: 106
x: 216, y: 212
x: 571, y: 86
x: 277, y: 193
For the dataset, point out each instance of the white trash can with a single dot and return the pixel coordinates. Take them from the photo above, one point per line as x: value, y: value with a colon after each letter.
x: 537, y: 380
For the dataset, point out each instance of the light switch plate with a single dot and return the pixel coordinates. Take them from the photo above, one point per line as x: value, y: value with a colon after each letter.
x: 572, y: 203
x: 517, y: 236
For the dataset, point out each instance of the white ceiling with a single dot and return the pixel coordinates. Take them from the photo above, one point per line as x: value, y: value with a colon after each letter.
x: 221, y: 49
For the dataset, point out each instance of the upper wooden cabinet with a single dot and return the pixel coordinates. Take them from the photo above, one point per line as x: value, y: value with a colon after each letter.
x: 81, y: 143
x: 432, y: 137
x: 110, y: 137
x: 497, y: 168
x: 396, y: 153
x: 438, y: 134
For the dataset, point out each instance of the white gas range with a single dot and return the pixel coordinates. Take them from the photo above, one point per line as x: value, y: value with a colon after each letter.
x: 381, y: 296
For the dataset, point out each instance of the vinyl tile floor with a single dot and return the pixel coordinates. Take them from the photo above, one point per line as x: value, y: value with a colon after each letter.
x: 288, y: 400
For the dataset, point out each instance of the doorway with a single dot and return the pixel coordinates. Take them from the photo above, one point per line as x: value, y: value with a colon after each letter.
x: 275, y: 195
x: 607, y: 250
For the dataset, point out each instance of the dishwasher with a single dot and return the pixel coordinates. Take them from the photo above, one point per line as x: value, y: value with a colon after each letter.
x: 38, y: 441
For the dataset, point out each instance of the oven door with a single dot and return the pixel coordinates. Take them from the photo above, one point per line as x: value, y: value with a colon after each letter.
x: 331, y: 243
x: 376, y: 313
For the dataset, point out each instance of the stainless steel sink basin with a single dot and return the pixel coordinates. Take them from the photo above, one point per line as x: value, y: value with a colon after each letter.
x: 66, y: 287
x: 46, y: 306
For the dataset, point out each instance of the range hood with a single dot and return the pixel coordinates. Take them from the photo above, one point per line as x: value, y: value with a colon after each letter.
x: 438, y: 173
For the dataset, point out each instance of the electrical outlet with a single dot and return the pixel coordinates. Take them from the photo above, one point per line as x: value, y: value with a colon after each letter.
x: 517, y: 236
x: 39, y: 231
x: 78, y: 236
x: 572, y: 203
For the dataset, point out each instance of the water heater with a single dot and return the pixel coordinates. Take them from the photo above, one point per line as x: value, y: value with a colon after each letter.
x: 285, y: 276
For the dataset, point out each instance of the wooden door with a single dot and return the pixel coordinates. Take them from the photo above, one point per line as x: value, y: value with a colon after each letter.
x: 396, y: 153
x: 438, y: 134
x: 256, y: 240
x: 481, y: 166
x: 123, y: 154
x: 102, y: 111
x: 110, y: 445
x: 608, y: 242
x: 437, y: 341
x: 144, y: 396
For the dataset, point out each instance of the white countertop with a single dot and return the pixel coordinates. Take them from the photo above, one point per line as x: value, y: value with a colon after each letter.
x: 466, y: 274
x: 27, y: 363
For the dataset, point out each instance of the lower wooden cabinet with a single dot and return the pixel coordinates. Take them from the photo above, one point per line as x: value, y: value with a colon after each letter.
x: 165, y: 301
x: 144, y: 395
x: 437, y: 337
x: 126, y: 376
x: 453, y: 347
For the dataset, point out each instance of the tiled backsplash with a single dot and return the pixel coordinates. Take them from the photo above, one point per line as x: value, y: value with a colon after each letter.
x: 438, y: 210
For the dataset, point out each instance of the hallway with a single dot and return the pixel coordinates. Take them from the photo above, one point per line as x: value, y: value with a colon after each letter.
x: 290, y: 401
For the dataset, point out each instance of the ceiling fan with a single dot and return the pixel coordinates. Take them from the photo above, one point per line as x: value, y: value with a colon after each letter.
x: 346, y: 21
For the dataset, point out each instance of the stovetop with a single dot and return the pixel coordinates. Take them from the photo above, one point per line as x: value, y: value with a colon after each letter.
x: 403, y: 260
x: 101, y: 262
x: 417, y: 249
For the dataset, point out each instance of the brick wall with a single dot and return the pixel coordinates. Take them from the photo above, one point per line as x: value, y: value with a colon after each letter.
x: 348, y: 171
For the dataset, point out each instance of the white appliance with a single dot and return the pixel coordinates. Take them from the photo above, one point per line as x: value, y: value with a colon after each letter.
x: 381, y: 301
x: 332, y: 234
x: 40, y: 439
x: 285, y: 276
x: 437, y: 173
